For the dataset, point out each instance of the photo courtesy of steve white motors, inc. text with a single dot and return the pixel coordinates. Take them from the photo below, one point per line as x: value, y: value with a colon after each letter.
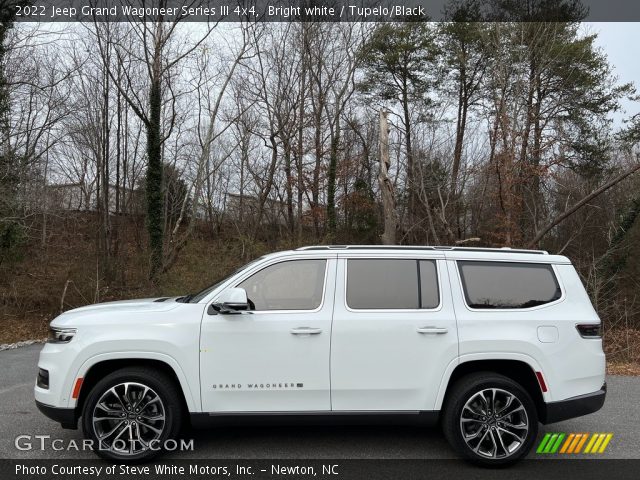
x: 178, y: 470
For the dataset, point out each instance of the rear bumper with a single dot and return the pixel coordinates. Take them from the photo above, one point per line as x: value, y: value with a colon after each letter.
x: 66, y: 417
x: 573, y: 407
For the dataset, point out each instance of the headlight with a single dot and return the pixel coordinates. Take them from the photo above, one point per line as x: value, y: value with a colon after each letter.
x: 60, y: 335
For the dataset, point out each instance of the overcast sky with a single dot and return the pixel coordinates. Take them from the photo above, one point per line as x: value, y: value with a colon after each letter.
x: 620, y: 42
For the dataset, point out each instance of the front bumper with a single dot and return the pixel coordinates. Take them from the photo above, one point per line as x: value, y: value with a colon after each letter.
x: 66, y: 417
x: 573, y: 407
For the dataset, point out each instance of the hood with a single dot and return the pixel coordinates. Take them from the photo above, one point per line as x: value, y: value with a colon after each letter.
x: 158, y: 304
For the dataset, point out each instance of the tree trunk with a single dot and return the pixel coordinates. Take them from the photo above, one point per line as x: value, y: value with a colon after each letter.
x: 154, y: 179
x: 331, y: 179
x: 578, y: 205
x: 461, y: 123
x: 289, y: 185
x: 411, y: 173
x: 386, y: 185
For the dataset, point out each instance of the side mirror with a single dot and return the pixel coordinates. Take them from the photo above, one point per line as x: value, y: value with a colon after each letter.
x: 231, y: 301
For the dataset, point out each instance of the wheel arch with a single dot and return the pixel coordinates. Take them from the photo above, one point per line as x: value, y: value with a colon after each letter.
x: 99, y: 366
x: 519, y: 370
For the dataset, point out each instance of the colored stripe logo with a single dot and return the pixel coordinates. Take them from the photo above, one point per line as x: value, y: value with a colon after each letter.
x: 574, y: 443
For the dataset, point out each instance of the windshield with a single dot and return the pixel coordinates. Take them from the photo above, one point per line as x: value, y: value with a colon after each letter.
x: 203, y: 293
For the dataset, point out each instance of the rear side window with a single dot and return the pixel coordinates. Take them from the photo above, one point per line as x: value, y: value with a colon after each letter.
x: 490, y: 285
x: 392, y: 284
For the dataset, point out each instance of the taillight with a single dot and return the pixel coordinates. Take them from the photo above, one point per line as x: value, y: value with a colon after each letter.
x: 590, y: 330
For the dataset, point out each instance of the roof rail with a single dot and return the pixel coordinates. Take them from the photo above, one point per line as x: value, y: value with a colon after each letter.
x: 421, y: 247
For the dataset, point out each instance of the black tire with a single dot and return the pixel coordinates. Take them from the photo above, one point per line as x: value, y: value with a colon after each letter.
x: 162, y: 417
x: 485, y: 431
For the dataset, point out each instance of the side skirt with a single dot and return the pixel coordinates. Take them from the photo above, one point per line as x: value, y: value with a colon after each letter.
x: 212, y: 419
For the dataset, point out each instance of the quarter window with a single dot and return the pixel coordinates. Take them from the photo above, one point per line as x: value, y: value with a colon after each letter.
x: 429, y: 294
x: 392, y: 284
x: 291, y: 285
x: 490, y: 285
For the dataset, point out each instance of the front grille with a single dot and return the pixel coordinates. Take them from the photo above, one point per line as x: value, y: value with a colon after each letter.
x: 43, y: 378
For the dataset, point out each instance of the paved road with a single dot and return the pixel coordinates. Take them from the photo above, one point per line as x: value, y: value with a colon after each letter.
x: 18, y: 416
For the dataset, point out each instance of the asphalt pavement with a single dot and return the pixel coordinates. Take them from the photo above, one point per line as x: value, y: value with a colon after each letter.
x: 19, y: 416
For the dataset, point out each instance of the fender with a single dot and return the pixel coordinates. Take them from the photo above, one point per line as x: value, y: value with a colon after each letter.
x: 193, y: 403
x: 470, y: 357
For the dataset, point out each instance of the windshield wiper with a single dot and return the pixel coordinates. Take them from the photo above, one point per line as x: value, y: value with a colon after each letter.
x: 185, y: 299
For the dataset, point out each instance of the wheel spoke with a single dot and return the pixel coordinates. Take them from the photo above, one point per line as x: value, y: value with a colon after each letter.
x: 473, y: 435
x: 484, y: 401
x: 470, y: 420
x: 153, y: 418
x: 111, y: 432
x: 144, y: 394
x: 506, y: 405
x: 112, y: 390
x: 477, y: 447
x: 493, y: 401
x: 117, y: 437
x: 512, y: 425
x: 99, y: 419
x: 517, y: 408
x: 149, y: 402
x: 146, y: 425
x: 109, y: 410
x: 499, y: 435
x: 494, y: 452
x: 512, y: 434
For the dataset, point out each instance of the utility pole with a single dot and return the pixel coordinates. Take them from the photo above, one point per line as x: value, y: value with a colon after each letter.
x: 386, y: 186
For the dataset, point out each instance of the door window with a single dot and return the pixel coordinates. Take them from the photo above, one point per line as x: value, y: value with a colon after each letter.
x: 290, y: 285
x: 392, y: 284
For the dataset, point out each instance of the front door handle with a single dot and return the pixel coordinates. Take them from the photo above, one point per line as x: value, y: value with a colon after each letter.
x: 433, y: 330
x: 306, y: 331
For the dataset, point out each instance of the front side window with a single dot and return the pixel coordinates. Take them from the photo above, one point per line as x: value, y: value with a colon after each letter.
x: 490, y: 285
x: 392, y: 284
x: 290, y: 285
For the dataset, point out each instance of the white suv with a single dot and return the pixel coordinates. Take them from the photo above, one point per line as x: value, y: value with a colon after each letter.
x: 487, y: 341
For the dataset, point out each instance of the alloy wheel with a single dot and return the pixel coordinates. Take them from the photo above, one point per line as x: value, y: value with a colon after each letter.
x: 494, y: 423
x: 128, y: 419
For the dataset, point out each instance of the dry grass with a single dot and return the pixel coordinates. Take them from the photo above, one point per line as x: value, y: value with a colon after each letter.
x: 622, y: 346
x: 628, y: 369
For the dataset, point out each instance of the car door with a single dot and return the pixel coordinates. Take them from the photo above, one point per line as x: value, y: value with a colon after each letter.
x: 274, y: 358
x: 394, y: 332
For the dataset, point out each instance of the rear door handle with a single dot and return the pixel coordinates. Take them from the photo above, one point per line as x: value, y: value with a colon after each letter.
x: 433, y: 330
x: 306, y: 331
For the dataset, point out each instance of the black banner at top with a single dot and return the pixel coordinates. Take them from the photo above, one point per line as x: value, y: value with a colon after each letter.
x: 319, y: 10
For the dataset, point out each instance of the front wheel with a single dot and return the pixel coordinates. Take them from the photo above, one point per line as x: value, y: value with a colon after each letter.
x: 490, y: 419
x: 131, y: 413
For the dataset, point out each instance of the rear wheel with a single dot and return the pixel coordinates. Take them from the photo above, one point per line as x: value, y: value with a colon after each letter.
x: 131, y: 413
x: 490, y: 419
